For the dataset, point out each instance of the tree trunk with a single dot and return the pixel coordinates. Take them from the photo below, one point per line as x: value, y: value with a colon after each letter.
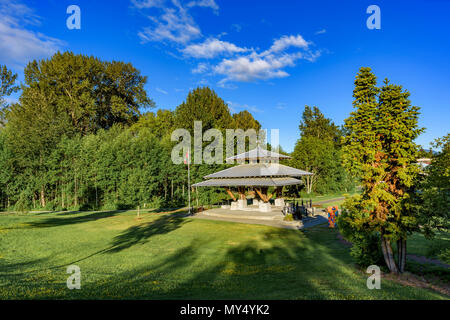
x: 42, y: 197
x: 388, y: 254
x: 401, y: 254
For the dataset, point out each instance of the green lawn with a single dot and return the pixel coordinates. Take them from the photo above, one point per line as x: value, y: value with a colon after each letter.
x: 419, y: 245
x: 163, y: 256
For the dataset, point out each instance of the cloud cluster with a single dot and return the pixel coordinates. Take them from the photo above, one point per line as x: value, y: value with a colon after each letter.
x: 18, y: 43
x: 173, y: 22
x: 268, y: 64
x: 211, y: 48
x: 231, y: 62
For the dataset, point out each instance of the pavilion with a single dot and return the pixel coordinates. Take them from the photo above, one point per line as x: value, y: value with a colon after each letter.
x: 259, y: 171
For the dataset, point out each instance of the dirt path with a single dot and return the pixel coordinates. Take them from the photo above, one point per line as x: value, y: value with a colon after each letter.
x: 422, y: 260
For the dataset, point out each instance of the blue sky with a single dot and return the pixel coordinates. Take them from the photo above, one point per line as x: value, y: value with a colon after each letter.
x: 270, y: 57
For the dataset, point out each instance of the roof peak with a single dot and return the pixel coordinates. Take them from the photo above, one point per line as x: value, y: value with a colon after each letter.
x: 258, y: 154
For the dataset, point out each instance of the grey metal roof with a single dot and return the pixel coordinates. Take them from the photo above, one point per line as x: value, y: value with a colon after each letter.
x: 259, y: 170
x: 260, y: 182
x: 258, y: 153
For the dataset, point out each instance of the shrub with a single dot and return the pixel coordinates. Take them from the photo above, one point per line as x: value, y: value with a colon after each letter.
x: 366, y: 250
x: 288, y: 217
x: 354, y: 226
x: 444, y: 256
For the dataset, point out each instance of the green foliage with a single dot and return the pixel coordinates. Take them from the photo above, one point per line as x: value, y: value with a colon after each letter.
x: 366, y: 250
x: 314, y: 124
x: 379, y: 149
x: 244, y: 120
x: 356, y: 228
x: 444, y: 255
x: 433, y: 198
x: 288, y: 217
x: 318, y: 151
x: 77, y: 139
x: 203, y: 104
x: 7, y: 87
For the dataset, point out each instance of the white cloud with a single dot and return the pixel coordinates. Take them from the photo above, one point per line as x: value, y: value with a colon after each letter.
x: 174, y: 25
x: 204, y: 3
x: 201, y: 68
x: 161, y: 90
x: 173, y: 21
x: 321, y: 31
x: 285, y: 42
x: 212, y: 48
x: 268, y: 64
x: 19, y: 44
x: 251, y: 68
x: 141, y: 4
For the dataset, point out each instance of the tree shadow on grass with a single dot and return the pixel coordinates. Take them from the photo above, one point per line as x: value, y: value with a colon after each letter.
x: 7, y: 269
x: 284, y: 264
x: 140, y: 234
x: 71, y: 219
x: 74, y: 217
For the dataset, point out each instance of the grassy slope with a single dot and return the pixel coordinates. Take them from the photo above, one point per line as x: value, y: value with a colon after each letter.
x: 167, y: 257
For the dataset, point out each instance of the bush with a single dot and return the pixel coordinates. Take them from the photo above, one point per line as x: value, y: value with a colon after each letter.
x: 354, y: 226
x: 444, y: 256
x: 288, y: 217
x: 21, y: 204
x: 366, y: 250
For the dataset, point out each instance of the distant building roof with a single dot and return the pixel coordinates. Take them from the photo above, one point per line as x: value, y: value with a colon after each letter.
x: 257, y: 154
x: 424, y: 160
x: 256, y: 182
x: 259, y: 170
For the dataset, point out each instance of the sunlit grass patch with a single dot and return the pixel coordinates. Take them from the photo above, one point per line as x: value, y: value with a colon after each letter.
x: 168, y: 256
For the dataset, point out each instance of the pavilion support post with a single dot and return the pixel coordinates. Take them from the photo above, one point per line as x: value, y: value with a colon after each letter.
x: 265, y: 192
x: 241, y: 191
x: 261, y: 194
x: 231, y: 194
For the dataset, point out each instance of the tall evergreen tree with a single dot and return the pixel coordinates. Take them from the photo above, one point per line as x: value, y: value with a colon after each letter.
x: 380, y: 150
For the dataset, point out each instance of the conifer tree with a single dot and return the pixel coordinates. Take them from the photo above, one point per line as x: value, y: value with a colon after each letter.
x: 379, y: 148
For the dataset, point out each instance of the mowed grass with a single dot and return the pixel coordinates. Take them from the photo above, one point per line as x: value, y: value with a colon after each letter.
x: 164, y: 256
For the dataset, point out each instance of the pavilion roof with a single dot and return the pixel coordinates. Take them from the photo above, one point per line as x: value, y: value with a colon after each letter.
x: 257, y: 154
x: 258, y: 170
x: 256, y: 182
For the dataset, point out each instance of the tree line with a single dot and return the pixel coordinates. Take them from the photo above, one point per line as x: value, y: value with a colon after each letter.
x: 82, y: 136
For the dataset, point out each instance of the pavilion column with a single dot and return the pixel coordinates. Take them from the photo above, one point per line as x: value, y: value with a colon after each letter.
x: 241, y: 191
x: 231, y: 194
x: 262, y: 194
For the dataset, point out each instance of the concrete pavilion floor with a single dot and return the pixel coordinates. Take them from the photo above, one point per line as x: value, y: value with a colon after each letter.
x: 274, y: 218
